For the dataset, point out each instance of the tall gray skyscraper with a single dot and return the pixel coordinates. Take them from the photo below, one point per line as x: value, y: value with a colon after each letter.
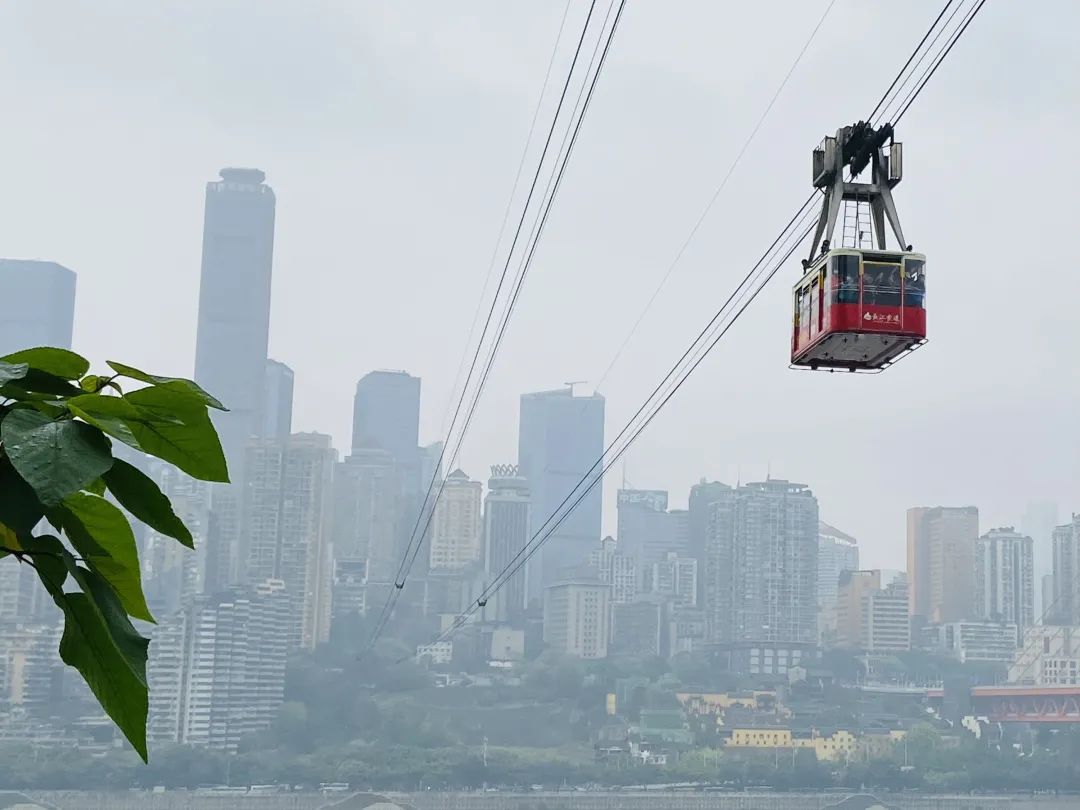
x: 560, y: 437
x: 234, y: 304
x: 1040, y: 519
x: 941, y: 562
x: 386, y: 414
x: 276, y: 416
x: 648, y: 532
x: 366, y: 514
x: 507, y: 513
x: 1065, y: 607
x: 40, y: 306
x: 763, y: 568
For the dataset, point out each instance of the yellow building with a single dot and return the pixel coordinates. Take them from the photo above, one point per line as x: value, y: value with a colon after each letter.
x: 839, y: 745
x: 698, y: 703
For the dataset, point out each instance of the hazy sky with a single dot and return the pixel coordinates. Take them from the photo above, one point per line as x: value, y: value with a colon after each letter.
x: 391, y: 131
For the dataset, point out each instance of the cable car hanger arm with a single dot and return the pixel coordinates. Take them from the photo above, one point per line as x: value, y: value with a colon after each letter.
x: 855, y: 147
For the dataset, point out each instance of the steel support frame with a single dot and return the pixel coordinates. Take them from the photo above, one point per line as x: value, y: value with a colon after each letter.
x: 878, y: 192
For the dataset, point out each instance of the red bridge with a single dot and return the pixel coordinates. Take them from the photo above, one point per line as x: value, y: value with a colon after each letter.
x: 1023, y: 704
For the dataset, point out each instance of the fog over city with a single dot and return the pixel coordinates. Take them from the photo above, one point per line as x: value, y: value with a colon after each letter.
x: 384, y: 285
x: 391, y: 132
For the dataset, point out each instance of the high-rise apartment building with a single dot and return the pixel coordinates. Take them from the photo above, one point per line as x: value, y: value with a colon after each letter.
x: 837, y: 552
x: 277, y: 405
x: 172, y: 573
x: 887, y: 626
x: 45, y: 312
x: 234, y: 305
x: 286, y: 509
x: 1046, y: 587
x: 615, y: 569
x: 702, y: 496
x: 456, y: 536
x: 30, y: 669
x: 648, y: 532
x: 1005, y: 579
x: 507, y: 519
x: 577, y: 615
x: 366, y: 513
x: 217, y: 667
x: 676, y: 577
x: 431, y: 457
x: 941, y: 562
x: 638, y: 628
x: 872, y: 612
x: 853, y: 589
x: 763, y: 543
x: 1065, y: 607
x: 560, y: 437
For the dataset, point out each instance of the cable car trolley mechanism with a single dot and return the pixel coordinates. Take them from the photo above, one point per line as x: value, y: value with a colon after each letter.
x: 860, y: 306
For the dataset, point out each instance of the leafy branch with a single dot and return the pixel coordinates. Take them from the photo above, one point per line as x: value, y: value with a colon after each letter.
x: 57, y: 426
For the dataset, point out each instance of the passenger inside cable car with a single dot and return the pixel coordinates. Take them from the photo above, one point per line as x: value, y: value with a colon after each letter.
x: 859, y: 310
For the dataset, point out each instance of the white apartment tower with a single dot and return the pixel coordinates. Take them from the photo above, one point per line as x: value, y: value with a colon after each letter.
x: 456, y: 527
x: 1005, y: 578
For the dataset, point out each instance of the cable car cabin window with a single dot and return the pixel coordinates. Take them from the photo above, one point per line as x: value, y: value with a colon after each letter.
x: 845, y: 284
x: 914, y: 283
x: 804, y: 310
x: 881, y: 284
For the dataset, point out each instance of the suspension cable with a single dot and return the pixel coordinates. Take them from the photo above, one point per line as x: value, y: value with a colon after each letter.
x: 697, y: 349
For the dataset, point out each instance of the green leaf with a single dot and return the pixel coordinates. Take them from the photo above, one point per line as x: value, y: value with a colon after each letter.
x: 59, y: 362
x: 97, y: 486
x: 91, y: 383
x: 189, y: 385
x: 107, y: 413
x: 102, y: 536
x: 167, y: 420
x: 51, y: 559
x: 101, y: 643
x: 56, y: 458
x: 137, y: 493
x: 9, y: 540
x: 20, y: 508
x: 52, y: 409
x: 39, y: 385
x: 12, y: 371
x: 174, y: 426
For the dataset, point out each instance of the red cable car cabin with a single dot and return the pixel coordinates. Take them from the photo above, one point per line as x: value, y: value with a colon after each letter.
x: 859, y: 310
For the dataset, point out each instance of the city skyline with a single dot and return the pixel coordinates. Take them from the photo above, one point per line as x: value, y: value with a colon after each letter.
x: 384, y: 230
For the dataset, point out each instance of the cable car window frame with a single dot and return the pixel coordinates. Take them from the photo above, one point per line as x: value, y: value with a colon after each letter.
x: 883, y: 288
x: 847, y: 273
x: 804, y: 312
x: 917, y: 298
